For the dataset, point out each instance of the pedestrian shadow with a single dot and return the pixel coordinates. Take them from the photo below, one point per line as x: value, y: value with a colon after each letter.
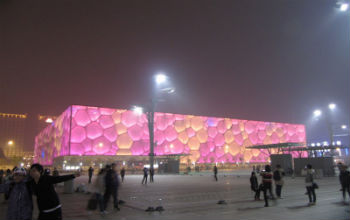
x: 341, y: 203
x: 250, y: 208
x: 243, y: 201
x: 298, y: 207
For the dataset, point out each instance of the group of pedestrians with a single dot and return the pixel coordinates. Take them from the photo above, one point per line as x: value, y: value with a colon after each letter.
x: 21, y: 188
x: 268, y: 177
x: 145, y: 175
x: 106, y: 185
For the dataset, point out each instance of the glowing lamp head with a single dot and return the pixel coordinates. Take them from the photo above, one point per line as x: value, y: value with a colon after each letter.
x: 344, y: 127
x: 100, y: 144
x: 160, y: 78
x: 332, y: 106
x: 137, y: 110
x: 49, y: 120
x: 10, y: 142
x: 317, y: 113
x: 344, y: 7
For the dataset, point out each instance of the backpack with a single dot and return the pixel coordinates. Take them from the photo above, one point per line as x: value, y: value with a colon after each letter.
x: 276, y: 175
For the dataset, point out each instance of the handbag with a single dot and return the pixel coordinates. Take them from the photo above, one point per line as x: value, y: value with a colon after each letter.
x: 315, y: 185
x: 92, y: 203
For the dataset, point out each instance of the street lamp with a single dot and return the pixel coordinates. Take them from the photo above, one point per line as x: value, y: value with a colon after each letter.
x: 344, y: 6
x: 332, y: 106
x: 137, y: 110
x: 162, y: 82
x: 160, y: 78
x: 10, y: 142
x: 344, y: 127
x: 317, y: 113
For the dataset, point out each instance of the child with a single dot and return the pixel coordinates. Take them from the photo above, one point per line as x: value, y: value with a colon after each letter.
x: 254, y: 185
x: 20, y: 205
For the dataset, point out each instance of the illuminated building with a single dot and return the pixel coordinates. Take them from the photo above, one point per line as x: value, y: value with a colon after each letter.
x: 93, y: 131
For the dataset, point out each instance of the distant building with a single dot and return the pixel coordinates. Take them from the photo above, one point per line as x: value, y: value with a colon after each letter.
x: 89, y: 135
x: 17, y: 133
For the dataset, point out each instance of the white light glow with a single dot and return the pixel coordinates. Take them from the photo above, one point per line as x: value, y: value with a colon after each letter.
x: 160, y: 78
x: 137, y: 110
x: 10, y: 142
x: 344, y: 127
x: 49, y: 120
x: 313, y: 144
x: 344, y: 7
x: 338, y: 143
x: 148, y: 166
x: 332, y: 106
x: 318, y: 144
x: 317, y: 113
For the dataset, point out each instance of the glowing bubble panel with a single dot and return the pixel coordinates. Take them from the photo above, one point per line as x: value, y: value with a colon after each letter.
x: 54, y: 141
x: 82, y: 130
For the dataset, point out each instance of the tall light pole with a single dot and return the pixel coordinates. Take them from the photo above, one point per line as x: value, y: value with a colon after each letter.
x: 160, y: 80
x: 318, y: 113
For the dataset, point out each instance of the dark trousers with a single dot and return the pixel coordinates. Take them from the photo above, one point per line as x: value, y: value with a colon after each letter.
x: 151, y: 178
x: 90, y: 176
x: 345, y: 188
x: 100, y: 201
x: 122, y: 178
x: 311, y: 193
x: 267, y: 187
x: 111, y: 191
x: 257, y: 193
x: 55, y: 215
x: 144, y: 179
x: 278, y: 190
x: 216, y: 176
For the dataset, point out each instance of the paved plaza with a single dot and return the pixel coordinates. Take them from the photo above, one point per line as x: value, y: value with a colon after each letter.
x: 196, y: 196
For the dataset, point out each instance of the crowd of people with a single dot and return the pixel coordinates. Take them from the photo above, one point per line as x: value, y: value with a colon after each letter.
x: 19, y: 184
x: 277, y: 176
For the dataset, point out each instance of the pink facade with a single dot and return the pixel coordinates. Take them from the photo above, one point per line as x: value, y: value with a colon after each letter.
x: 82, y: 130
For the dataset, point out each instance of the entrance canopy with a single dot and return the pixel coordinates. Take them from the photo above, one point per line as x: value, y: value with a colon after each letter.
x: 282, y: 147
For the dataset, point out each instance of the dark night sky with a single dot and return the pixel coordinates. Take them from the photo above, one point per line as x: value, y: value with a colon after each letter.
x: 272, y: 60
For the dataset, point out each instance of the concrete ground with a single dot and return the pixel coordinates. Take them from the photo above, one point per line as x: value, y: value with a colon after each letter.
x: 196, y: 197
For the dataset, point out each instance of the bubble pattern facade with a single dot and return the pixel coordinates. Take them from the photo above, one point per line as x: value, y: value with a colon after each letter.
x: 83, y: 130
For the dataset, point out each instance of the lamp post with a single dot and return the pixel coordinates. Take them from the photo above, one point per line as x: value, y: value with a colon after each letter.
x: 318, y: 113
x: 160, y: 80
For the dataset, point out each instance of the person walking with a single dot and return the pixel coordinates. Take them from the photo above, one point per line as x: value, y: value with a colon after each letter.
x: 267, y: 183
x: 151, y: 174
x: 43, y: 187
x: 344, y: 178
x: 100, y: 188
x: 112, y: 185
x: 90, y: 171
x: 20, y: 203
x: 309, y: 183
x: 122, y: 173
x: 145, y: 175
x: 215, y: 173
x: 278, y: 177
x: 254, y: 186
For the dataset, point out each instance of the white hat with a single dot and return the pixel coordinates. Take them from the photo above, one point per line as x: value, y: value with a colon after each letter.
x: 20, y: 170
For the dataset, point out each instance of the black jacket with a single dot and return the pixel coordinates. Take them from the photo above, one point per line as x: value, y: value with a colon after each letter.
x: 44, y: 190
x: 254, y: 183
x: 344, y: 178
